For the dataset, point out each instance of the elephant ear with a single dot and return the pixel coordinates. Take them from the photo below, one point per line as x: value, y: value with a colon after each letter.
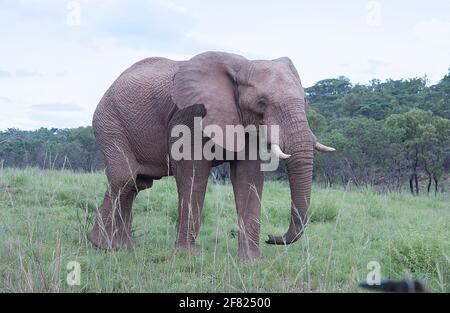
x: 209, y: 79
x: 291, y: 65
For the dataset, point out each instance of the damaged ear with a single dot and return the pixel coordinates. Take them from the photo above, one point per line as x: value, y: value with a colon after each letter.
x: 289, y: 62
x: 209, y: 79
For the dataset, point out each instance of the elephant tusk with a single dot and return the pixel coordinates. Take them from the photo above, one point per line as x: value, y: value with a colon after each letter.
x: 276, y: 150
x: 322, y: 148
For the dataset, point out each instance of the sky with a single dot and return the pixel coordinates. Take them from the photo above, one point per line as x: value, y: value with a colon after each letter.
x: 57, y: 58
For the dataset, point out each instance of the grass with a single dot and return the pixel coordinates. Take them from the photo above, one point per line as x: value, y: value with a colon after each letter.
x: 45, y: 216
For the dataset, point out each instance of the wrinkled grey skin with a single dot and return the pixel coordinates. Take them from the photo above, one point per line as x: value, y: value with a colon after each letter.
x: 132, y: 127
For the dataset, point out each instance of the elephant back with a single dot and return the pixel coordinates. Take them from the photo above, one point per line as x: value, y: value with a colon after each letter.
x: 147, y: 81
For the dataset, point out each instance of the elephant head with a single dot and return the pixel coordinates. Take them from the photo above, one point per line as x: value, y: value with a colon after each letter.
x: 235, y: 91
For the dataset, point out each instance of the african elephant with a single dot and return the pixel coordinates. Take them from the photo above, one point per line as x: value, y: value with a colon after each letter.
x: 132, y: 126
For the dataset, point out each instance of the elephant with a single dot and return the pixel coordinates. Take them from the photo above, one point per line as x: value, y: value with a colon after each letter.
x: 132, y: 126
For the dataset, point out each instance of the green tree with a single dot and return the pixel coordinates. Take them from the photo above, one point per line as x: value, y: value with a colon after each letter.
x: 423, y: 139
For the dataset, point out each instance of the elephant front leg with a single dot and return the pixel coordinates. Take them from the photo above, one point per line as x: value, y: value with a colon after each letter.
x: 248, y: 181
x: 192, y: 179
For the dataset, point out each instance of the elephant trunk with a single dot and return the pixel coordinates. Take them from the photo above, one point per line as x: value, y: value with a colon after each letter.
x: 299, y: 168
x: 300, y: 177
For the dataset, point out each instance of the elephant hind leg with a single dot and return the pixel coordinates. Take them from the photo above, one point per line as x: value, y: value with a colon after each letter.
x: 112, y: 228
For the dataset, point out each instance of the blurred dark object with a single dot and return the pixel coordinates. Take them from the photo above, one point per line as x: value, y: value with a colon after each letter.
x: 401, y: 286
x: 221, y: 174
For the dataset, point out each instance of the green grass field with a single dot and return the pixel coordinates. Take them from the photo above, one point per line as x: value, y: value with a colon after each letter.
x: 45, y: 216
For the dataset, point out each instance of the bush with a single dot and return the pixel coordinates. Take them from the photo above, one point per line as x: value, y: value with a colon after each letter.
x: 323, y: 210
x: 417, y: 255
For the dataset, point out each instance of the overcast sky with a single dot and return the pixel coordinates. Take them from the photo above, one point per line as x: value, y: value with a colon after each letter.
x: 57, y: 58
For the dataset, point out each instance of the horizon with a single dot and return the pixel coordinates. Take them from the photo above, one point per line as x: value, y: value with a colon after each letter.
x: 58, y: 58
x: 428, y: 84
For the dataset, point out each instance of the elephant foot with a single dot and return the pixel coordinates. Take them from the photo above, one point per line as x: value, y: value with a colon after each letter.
x: 191, y: 246
x: 251, y: 255
x: 111, y: 242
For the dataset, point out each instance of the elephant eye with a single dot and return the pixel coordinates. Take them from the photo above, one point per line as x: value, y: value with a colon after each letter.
x: 262, y: 103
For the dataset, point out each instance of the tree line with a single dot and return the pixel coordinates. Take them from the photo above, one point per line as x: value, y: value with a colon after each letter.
x: 50, y: 149
x: 389, y: 134
x: 386, y: 133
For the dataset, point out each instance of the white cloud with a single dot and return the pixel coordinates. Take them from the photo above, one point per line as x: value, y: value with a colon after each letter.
x: 89, y: 70
x: 434, y: 32
x: 171, y: 5
x: 57, y: 63
x: 56, y: 107
x: 44, y: 60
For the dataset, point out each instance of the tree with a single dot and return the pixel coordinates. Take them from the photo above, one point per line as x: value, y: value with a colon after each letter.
x: 438, y: 98
x: 325, y: 92
x: 360, y: 144
x: 435, y: 135
x: 423, y: 139
x: 317, y: 122
x: 50, y: 148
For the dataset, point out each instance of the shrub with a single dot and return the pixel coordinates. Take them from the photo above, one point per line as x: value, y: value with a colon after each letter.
x: 323, y: 210
x: 418, y: 255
